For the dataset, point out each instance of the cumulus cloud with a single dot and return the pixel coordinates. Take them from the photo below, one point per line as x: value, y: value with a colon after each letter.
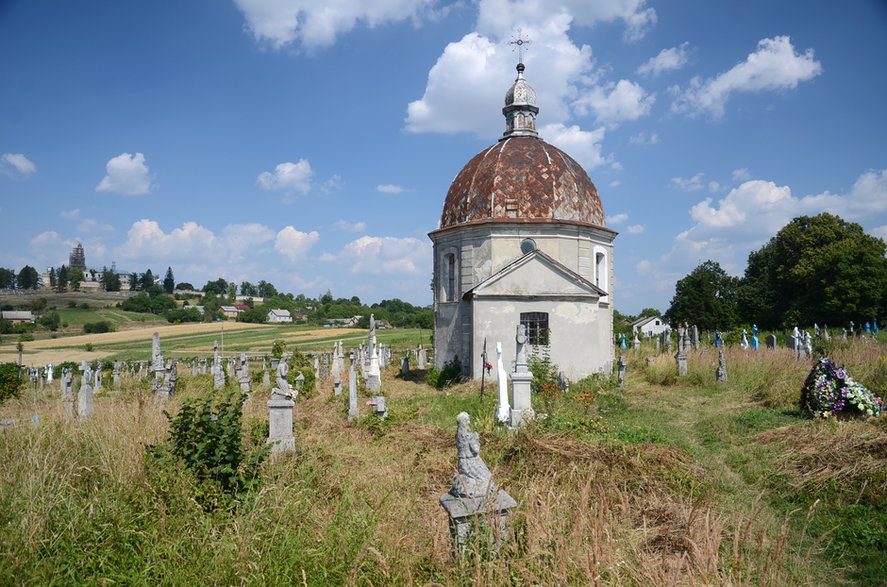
x: 776, y: 65
x: 91, y: 225
x: 692, y: 184
x: 317, y: 24
x: 295, y: 244
x: 351, y: 226
x: 615, y: 103
x: 390, y: 189
x: 880, y: 232
x: 617, y: 218
x: 288, y: 176
x: 70, y: 214
x: 582, y: 145
x: 635, y: 229
x: 615, y: 183
x: 741, y: 174
x: 244, y: 240
x: 147, y: 242
x: 16, y: 165
x: 384, y: 255
x: 643, y: 138
x: 666, y: 60
x: 127, y: 175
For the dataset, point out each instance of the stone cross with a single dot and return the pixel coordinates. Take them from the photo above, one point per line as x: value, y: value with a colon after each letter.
x: 503, y: 413
x: 521, y: 381
x: 721, y: 371
x: 84, y: 396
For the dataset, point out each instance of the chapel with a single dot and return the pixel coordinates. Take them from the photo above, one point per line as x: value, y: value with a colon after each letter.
x: 522, y: 240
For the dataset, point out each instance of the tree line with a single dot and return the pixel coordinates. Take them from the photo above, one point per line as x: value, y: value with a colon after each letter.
x: 816, y: 269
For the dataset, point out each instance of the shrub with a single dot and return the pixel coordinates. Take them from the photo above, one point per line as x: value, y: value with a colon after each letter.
x: 278, y: 348
x: 98, y: 327
x: 451, y: 374
x: 544, y: 372
x: 299, y: 363
x: 10, y: 384
x: 209, y: 441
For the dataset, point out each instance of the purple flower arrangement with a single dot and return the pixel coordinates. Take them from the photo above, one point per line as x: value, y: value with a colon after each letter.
x: 829, y: 391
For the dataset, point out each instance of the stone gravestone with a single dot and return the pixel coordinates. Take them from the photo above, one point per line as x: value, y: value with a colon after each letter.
x: 352, y: 392
x: 474, y: 494
x: 84, y: 396
x: 243, y: 373
x: 681, y: 361
x: 771, y: 341
x: 721, y: 371
x: 266, y: 379
x: 280, y: 416
x: 217, y: 369
x: 503, y: 413
x: 405, y: 366
x: 695, y: 338
x: 521, y: 382
x: 337, y: 384
x: 68, y: 393
x: 422, y: 358
x: 620, y: 371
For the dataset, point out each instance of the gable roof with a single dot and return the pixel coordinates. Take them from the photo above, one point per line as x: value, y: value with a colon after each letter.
x: 518, y: 279
x: 280, y: 313
x: 17, y: 315
x: 643, y: 320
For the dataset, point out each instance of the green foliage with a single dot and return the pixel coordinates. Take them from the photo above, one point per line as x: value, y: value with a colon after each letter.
x: 169, y: 282
x: 299, y: 363
x: 209, y: 440
x: 111, y: 280
x: 257, y: 315
x: 144, y: 302
x: 50, y: 321
x: 451, y: 374
x: 278, y: 347
x: 98, y: 327
x: 10, y: 384
x: 816, y: 269
x: 184, y: 315
x: 27, y: 278
x: 706, y: 297
x: 7, y: 278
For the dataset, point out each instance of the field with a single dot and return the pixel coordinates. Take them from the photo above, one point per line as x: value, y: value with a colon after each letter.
x: 667, y: 482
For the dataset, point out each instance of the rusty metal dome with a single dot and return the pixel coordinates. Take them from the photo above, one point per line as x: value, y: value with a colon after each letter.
x: 522, y: 179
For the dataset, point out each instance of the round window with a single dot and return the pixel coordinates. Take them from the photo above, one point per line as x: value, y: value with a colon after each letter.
x: 527, y: 245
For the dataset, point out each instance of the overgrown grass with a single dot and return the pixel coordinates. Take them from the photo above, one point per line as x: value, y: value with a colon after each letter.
x: 693, y: 482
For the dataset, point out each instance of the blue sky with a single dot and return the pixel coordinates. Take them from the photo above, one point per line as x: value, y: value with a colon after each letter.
x: 311, y: 144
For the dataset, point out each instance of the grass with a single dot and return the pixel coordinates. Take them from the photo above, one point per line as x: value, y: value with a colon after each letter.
x: 683, y: 482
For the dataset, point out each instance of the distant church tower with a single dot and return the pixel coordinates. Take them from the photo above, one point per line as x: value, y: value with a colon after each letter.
x: 522, y: 240
x: 77, y: 258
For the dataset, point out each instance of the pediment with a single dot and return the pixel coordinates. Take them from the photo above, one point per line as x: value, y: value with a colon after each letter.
x: 535, y: 275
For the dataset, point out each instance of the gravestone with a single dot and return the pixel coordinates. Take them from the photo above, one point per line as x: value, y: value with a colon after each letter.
x: 352, y: 393
x: 218, y: 372
x: 721, y: 371
x: 280, y: 420
x: 379, y: 406
x: 474, y: 500
x: 695, y: 338
x: 84, y: 396
x: 681, y: 361
x: 266, y: 379
x: 405, y: 366
x: 243, y: 372
x: 503, y: 413
x: 620, y: 371
x: 68, y: 393
x: 423, y: 358
x: 521, y: 381
x: 337, y: 384
x: 771, y: 341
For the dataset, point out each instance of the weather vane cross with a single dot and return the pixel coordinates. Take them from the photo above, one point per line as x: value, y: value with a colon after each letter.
x: 519, y: 42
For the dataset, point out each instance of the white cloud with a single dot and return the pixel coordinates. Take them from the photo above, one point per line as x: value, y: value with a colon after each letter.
x: 617, y: 218
x: 244, y: 240
x: 16, y: 164
x: 615, y: 183
x: 741, y: 174
x: 70, y: 214
x: 584, y: 146
x: 318, y: 24
x: 666, y: 60
x: 147, y: 242
x: 127, y: 175
x: 692, y: 184
x: 384, y: 255
x: 714, y: 186
x: 288, y: 176
x: 776, y: 65
x: 351, y: 226
x: 294, y: 244
x: 615, y: 103
x: 390, y: 189
x: 635, y: 229
x: 643, y: 138
x: 880, y: 232
x: 49, y: 238
x: 643, y: 266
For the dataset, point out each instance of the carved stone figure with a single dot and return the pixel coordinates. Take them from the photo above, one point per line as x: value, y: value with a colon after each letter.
x: 473, y: 478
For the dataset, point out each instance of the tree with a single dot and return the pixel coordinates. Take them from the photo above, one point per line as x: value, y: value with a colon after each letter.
x: 184, y: 285
x: 75, y: 276
x: 816, y: 269
x: 7, y: 278
x: 27, y: 278
x: 706, y: 297
x: 112, y: 280
x: 266, y: 290
x: 146, y: 281
x: 169, y: 282
x: 61, y: 279
x: 218, y: 287
x: 248, y: 289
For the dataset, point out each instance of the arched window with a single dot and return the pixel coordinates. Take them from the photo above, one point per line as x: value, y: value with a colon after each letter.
x: 449, y: 277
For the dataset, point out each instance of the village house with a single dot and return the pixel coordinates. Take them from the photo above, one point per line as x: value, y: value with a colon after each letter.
x: 278, y: 316
x: 17, y: 317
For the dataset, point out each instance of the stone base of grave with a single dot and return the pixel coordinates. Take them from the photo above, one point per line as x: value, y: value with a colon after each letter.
x: 280, y: 425
x: 478, y: 518
x: 379, y: 406
x: 521, y: 404
x: 681, y: 360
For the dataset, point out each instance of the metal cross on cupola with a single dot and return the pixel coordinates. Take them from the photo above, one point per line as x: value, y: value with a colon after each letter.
x: 519, y: 43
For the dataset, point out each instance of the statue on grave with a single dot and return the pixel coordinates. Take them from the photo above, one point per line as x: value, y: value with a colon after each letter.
x: 718, y: 341
x: 521, y: 340
x: 473, y: 478
x: 372, y: 326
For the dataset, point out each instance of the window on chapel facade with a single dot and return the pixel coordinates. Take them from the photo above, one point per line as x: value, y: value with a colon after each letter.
x: 537, y: 327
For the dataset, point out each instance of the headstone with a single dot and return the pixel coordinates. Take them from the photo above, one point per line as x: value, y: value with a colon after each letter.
x: 84, y: 396
x: 423, y: 358
x: 474, y: 500
x: 649, y: 360
x: 405, y: 365
x: 721, y: 371
x: 521, y: 382
x: 379, y: 406
x: 620, y: 371
x: 681, y: 361
x: 280, y: 420
x: 337, y: 384
x: 244, y: 377
x: 352, y: 393
x: 503, y: 412
x: 695, y: 338
x: 771, y: 341
x: 266, y: 379
x: 218, y: 372
x: 68, y: 393
x: 744, y: 343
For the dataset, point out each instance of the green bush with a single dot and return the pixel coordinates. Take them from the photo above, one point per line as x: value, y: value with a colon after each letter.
x: 209, y: 441
x: 10, y: 384
x: 98, y: 327
x: 299, y: 363
x: 451, y: 374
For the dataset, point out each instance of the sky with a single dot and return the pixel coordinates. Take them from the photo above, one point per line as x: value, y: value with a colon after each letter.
x: 311, y: 144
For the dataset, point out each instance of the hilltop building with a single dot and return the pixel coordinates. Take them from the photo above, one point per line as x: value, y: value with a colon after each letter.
x: 522, y: 240
x: 77, y: 258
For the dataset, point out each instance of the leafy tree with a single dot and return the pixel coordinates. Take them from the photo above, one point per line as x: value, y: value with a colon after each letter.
x: 706, y: 297
x: 169, y: 282
x: 232, y: 290
x: 75, y: 276
x: 51, y: 277
x: 248, y: 289
x: 184, y: 285
x: 146, y: 281
x: 646, y: 312
x: 112, y: 280
x: 266, y: 290
x: 27, y: 278
x: 184, y: 315
x: 255, y: 315
x: 7, y: 278
x: 61, y: 279
x: 218, y: 287
x: 816, y: 269
x: 50, y: 321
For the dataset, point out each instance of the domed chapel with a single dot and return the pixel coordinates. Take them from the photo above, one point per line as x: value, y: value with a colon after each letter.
x: 522, y: 240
